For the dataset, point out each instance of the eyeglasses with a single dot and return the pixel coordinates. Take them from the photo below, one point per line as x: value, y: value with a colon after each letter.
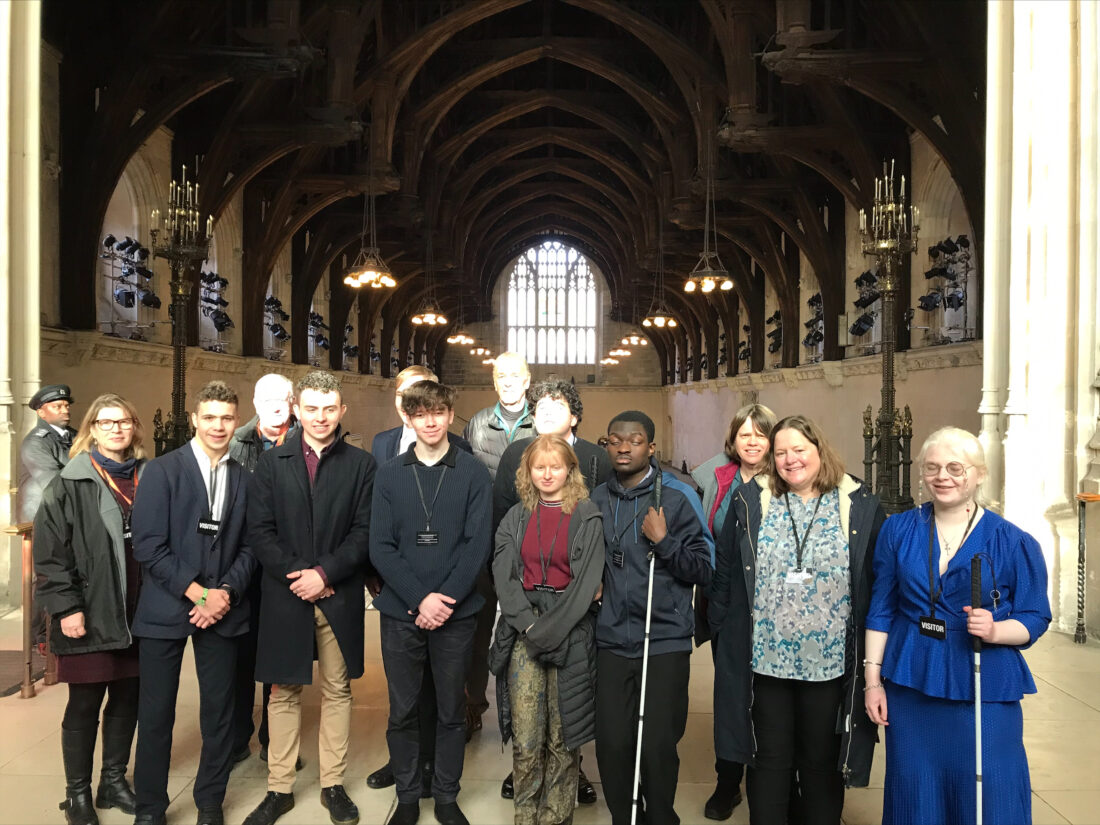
x: 955, y: 469
x: 637, y: 441
x: 108, y: 424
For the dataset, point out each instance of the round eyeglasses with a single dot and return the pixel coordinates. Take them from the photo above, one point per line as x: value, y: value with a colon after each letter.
x: 955, y: 469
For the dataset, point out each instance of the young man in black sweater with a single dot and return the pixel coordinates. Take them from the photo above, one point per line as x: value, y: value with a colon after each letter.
x: 430, y: 537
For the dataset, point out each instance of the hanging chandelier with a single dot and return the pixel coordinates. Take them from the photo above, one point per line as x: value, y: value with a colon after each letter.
x: 633, y: 339
x: 459, y: 336
x: 368, y: 268
x: 709, y: 274
x: 659, y: 314
x: 619, y: 353
x: 609, y: 361
x: 480, y: 351
x: 429, y: 312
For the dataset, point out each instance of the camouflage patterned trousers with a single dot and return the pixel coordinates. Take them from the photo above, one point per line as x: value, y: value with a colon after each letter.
x: 545, y: 770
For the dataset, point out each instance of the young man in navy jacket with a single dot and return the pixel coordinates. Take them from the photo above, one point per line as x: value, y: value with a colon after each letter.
x: 429, y: 539
x: 673, y: 529
x: 189, y: 536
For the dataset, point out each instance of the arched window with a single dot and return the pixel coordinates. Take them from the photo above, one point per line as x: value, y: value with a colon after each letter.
x: 552, y: 306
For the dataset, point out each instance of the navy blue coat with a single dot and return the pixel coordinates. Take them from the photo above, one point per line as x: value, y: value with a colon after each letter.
x: 170, y: 500
x: 385, y: 444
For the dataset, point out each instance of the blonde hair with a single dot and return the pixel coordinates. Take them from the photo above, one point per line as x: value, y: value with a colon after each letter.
x: 968, y: 447
x: 575, y: 489
x: 83, y: 440
x: 832, y: 468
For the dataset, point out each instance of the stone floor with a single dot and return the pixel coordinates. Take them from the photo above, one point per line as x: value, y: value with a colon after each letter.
x: 1062, y: 736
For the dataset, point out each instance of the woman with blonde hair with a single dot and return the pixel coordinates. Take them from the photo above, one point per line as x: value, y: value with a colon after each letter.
x: 918, y: 649
x: 547, y: 569
x: 791, y: 588
x: 89, y: 586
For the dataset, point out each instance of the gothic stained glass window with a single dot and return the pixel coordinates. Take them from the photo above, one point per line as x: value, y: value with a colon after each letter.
x: 551, y: 306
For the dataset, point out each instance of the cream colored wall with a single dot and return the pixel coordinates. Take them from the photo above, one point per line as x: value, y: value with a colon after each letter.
x: 941, y: 386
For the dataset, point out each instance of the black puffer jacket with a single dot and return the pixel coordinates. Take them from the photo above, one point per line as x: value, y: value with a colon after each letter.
x: 80, y: 555
x: 562, y: 625
x: 731, y: 621
x: 488, y: 438
x: 247, y: 445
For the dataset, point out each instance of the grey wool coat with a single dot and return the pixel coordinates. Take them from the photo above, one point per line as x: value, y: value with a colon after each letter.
x: 562, y: 625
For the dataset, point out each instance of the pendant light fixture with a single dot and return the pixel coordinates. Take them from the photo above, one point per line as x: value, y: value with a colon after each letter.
x: 709, y: 274
x: 659, y: 315
x: 368, y: 268
x: 429, y: 313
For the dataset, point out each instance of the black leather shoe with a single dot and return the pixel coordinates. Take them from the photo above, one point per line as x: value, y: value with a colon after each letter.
x: 406, y: 813
x: 270, y: 809
x: 263, y: 758
x: 586, y: 794
x: 211, y: 815
x: 507, y: 788
x: 448, y: 813
x: 722, y: 802
x: 381, y: 778
x: 341, y: 810
x: 149, y: 819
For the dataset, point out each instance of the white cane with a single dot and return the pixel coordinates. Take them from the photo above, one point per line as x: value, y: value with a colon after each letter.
x: 641, y: 700
x: 975, y: 603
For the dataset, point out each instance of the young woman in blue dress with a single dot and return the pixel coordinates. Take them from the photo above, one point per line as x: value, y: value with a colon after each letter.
x: 918, y: 669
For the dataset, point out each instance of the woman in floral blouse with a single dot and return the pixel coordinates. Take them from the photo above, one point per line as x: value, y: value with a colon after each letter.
x: 791, y: 588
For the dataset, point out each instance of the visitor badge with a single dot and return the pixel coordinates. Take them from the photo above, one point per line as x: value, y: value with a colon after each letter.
x: 933, y: 628
x: 208, y: 527
x: 799, y: 576
x: 427, y: 538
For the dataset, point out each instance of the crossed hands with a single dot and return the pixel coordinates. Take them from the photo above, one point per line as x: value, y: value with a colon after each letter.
x: 217, y: 605
x: 308, y: 585
x: 433, y: 611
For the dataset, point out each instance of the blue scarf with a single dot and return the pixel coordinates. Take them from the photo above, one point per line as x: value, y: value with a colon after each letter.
x: 115, y: 469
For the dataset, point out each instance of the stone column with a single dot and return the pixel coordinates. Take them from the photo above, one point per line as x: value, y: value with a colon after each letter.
x: 20, y: 169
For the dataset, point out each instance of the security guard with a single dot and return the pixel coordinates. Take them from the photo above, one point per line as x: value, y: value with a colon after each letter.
x: 45, y: 450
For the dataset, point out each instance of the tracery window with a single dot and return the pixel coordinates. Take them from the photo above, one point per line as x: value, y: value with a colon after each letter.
x: 552, y: 306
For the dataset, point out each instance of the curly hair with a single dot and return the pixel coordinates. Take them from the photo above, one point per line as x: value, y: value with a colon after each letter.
x: 216, y: 391
x: 84, y: 439
x: 427, y: 396
x: 575, y: 489
x: 318, y: 380
x: 559, y: 391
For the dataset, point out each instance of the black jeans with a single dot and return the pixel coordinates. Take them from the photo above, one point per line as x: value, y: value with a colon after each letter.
x: 618, y: 691
x: 478, y: 679
x: 795, y: 723
x: 215, y: 665
x: 405, y: 651
x: 729, y: 773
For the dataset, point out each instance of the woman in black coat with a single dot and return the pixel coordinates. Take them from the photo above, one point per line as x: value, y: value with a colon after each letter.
x: 89, y: 585
x: 792, y: 586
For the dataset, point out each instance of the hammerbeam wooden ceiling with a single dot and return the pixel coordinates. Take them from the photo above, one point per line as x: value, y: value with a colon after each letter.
x: 497, y: 123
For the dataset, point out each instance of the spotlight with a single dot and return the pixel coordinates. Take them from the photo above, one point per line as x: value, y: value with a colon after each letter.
x: 929, y: 302
x: 351, y: 351
x: 815, y: 300
x: 963, y: 241
x: 937, y: 272
x: 863, y: 325
x: 219, y: 318
x: 775, y: 345
x: 954, y: 300
x: 279, y: 331
x: 934, y: 252
x: 949, y: 246
x: 813, y: 322
x: 148, y: 299
x: 868, y: 298
x: 867, y: 279
x: 813, y: 339
x: 321, y: 341
x: 124, y: 297
x: 774, y: 318
x: 109, y: 241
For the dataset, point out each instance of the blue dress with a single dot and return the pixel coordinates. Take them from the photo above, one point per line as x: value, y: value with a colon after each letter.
x: 930, y: 763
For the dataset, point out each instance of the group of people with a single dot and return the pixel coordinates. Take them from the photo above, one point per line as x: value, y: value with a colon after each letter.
x: 260, y: 542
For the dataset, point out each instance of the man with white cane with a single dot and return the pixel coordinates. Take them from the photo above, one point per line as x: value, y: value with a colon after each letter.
x: 637, y: 524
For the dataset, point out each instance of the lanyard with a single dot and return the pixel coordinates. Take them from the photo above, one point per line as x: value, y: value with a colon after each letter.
x: 544, y: 563
x: 110, y: 482
x: 935, y: 590
x: 629, y: 524
x: 800, y: 543
x: 514, y: 429
x: 428, y: 512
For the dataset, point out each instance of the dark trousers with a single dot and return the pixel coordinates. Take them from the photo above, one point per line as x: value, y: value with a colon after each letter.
x: 245, y: 701
x: 795, y: 724
x: 729, y: 773
x: 618, y: 692
x: 426, y: 715
x: 405, y: 651
x: 215, y: 665
x: 478, y: 679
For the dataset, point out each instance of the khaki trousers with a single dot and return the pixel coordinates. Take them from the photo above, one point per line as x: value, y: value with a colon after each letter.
x: 284, y: 717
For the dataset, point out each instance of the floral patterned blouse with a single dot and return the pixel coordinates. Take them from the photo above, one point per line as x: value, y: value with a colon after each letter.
x: 799, y: 621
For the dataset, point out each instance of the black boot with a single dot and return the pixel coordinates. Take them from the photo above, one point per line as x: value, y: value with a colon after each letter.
x: 77, y: 750
x: 114, y: 791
